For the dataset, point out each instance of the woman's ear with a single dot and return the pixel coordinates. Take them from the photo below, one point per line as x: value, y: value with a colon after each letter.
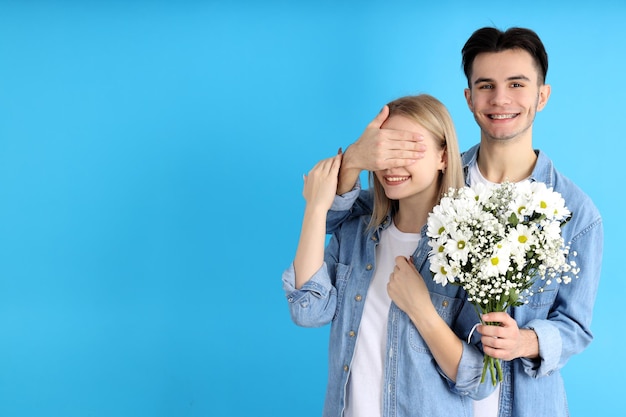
x: 444, y: 160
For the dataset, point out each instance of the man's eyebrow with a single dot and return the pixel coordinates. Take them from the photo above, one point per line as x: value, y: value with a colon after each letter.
x: 518, y: 78
x: 511, y: 78
x: 483, y: 80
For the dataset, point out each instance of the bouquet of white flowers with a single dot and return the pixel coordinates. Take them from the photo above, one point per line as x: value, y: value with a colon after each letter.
x: 496, y: 242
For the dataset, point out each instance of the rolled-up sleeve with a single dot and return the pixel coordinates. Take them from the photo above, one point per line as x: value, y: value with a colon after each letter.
x: 550, y: 348
x: 468, y: 375
x: 313, y: 305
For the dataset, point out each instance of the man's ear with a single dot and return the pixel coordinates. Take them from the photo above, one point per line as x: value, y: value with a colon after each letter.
x: 544, y: 95
x: 468, y: 99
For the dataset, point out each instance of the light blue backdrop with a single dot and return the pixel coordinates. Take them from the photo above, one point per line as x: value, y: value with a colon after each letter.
x: 151, y: 161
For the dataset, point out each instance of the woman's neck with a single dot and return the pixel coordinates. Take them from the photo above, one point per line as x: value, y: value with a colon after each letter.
x: 413, y: 212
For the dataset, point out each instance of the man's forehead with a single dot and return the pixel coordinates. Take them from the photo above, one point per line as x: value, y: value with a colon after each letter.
x: 503, y: 66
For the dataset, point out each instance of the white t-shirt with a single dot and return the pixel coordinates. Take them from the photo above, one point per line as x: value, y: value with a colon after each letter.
x: 364, y: 392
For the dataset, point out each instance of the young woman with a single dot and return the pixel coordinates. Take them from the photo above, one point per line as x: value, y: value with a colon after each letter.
x: 392, y: 351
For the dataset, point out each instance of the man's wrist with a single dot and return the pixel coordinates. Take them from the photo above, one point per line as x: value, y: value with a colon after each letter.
x: 348, y: 173
x: 347, y: 162
x: 530, y: 344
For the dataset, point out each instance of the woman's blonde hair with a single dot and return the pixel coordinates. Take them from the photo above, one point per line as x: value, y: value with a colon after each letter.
x: 434, y: 117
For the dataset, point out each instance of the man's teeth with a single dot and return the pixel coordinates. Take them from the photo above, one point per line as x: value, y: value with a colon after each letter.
x: 502, y: 116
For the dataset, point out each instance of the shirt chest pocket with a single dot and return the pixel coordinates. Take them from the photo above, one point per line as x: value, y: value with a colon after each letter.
x: 447, y: 307
x: 543, y: 300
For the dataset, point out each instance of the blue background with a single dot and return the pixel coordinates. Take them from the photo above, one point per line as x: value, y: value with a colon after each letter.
x: 151, y: 161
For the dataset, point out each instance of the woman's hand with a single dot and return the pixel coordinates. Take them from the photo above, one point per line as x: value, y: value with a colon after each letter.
x: 320, y: 185
x: 407, y: 289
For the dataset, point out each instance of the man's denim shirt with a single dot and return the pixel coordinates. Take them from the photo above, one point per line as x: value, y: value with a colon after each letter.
x: 560, y: 315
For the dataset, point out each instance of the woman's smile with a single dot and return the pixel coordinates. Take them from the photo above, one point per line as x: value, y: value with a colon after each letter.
x: 396, y: 179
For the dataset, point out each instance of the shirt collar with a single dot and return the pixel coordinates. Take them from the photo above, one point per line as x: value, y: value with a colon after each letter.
x: 543, y: 171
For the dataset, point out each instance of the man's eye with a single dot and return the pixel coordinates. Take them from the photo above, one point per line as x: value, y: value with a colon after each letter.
x: 486, y: 87
x: 516, y: 85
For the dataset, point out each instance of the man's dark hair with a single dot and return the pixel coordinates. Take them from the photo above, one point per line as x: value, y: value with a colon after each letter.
x: 490, y: 39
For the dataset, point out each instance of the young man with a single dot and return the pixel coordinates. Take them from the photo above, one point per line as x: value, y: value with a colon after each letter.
x: 506, y: 73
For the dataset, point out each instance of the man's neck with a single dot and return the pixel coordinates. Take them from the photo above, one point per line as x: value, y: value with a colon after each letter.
x: 506, y: 162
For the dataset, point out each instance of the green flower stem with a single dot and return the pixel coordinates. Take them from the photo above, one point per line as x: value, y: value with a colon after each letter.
x: 492, y: 370
x: 499, y: 368
x: 495, y: 370
x: 485, y: 366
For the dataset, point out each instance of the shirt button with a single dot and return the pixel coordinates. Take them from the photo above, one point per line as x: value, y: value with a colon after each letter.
x: 445, y: 303
x: 345, y: 368
x: 351, y: 333
x: 358, y: 297
x: 369, y: 267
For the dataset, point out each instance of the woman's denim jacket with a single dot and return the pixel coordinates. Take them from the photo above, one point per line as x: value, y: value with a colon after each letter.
x: 560, y: 315
x: 413, y: 384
